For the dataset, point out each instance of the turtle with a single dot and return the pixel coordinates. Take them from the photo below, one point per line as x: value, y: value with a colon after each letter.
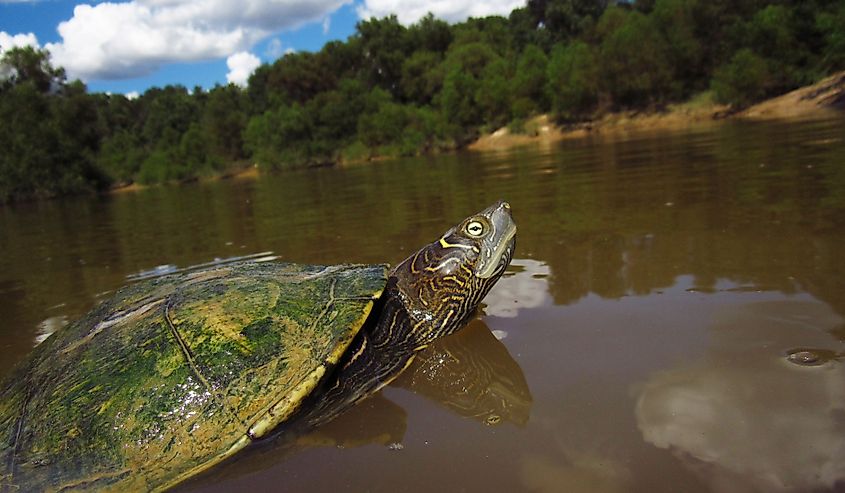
x: 175, y: 374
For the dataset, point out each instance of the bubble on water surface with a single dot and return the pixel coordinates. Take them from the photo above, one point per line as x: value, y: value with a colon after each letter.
x: 810, y: 357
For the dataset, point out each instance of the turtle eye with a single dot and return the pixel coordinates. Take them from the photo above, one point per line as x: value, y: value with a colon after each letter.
x: 475, y: 229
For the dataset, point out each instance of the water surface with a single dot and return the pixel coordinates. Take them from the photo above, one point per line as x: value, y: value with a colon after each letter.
x: 638, y: 343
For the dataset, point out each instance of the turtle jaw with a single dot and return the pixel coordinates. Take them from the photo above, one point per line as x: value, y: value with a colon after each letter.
x: 506, y: 257
x: 497, y: 248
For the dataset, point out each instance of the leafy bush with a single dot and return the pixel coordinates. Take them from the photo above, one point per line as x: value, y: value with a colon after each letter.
x: 572, y: 80
x: 741, y: 81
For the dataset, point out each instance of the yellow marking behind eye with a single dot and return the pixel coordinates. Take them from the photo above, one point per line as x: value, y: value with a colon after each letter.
x: 446, y: 244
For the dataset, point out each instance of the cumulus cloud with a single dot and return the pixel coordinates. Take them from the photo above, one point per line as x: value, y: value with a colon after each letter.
x: 9, y: 41
x: 241, y: 65
x: 130, y: 39
x: 410, y: 11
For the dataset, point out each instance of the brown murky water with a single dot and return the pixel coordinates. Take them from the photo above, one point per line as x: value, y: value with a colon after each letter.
x: 648, y: 337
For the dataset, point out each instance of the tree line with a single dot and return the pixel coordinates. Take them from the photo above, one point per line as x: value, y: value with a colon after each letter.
x: 394, y: 90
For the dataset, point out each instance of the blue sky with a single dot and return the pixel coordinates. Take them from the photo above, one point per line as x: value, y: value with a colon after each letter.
x: 127, y: 46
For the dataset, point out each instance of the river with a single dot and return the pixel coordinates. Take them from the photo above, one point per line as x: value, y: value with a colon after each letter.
x: 640, y: 341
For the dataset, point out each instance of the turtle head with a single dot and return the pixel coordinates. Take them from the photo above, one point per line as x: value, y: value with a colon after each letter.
x: 443, y: 283
x: 428, y: 295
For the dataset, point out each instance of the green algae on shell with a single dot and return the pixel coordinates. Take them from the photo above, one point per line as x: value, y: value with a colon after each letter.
x: 193, y: 362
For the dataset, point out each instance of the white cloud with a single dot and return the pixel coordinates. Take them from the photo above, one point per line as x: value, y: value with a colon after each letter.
x: 132, y: 95
x: 130, y: 39
x: 9, y: 41
x: 327, y: 24
x: 241, y: 65
x: 410, y: 11
x: 274, y: 48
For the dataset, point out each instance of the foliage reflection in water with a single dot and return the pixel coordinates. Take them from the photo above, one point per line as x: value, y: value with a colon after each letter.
x: 664, y: 280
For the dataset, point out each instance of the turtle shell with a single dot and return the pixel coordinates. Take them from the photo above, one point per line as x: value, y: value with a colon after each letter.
x: 172, y: 375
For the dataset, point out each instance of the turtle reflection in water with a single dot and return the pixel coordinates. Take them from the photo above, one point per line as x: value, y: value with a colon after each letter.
x: 175, y: 374
x: 474, y: 376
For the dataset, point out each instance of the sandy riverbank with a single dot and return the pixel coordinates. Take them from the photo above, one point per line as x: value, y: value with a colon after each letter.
x: 240, y: 172
x: 825, y: 97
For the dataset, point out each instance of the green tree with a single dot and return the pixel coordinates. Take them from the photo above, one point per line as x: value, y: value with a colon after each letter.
x: 334, y: 116
x: 832, y: 27
x: 568, y: 18
x: 573, y: 79
x: 495, y: 95
x: 294, y: 78
x: 27, y: 163
x: 167, y: 113
x: 384, y: 126
x: 741, y: 81
x: 633, y: 58
x: 117, y: 112
x: 158, y: 167
x: 223, y: 122
x: 399, y: 130
x: 195, y: 156
x: 492, y: 31
x: 120, y: 156
x: 384, y: 46
x: 46, y: 151
x: 422, y: 77
x: 430, y: 34
x: 279, y: 138
x: 28, y: 65
x: 772, y: 33
x: 548, y: 22
x: 465, y: 65
x: 457, y: 103
x: 529, y: 81
x: 676, y: 22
